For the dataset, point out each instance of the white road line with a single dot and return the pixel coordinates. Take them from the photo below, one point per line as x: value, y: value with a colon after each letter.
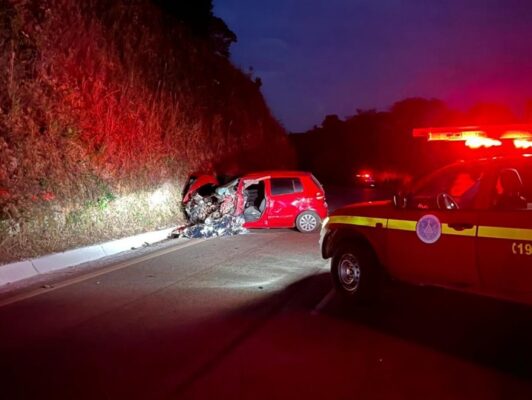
x: 323, y: 303
x: 125, y: 264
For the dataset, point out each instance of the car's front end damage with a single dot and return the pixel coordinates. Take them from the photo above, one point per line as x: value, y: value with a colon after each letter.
x: 211, y: 211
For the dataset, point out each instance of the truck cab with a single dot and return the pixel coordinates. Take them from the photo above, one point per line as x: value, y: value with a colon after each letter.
x: 467, y: 226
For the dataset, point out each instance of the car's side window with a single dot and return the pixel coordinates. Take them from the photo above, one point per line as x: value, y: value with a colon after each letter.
x: 513, y: 187
x: 285, y: 186
x: 298, y: 187
x: 452, y: 189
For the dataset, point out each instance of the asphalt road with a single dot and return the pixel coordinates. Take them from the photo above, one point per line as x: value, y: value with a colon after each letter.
x: 252, y: 317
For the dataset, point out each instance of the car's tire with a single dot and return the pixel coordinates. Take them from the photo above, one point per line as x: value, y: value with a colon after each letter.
x: 355, y: 273
x: 308, y: 222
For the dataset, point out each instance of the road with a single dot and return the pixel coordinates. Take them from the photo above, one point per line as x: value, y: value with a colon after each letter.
x: 252, y: 317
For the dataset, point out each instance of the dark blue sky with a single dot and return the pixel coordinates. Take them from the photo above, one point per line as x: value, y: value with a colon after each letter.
x: 318, y: 57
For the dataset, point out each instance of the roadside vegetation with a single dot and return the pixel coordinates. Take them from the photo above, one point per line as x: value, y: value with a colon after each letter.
x: 106, y: 107
x: 382, y: 142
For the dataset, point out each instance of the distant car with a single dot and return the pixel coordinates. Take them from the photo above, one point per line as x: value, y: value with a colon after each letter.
x: 270, y: 199
x: 371, y: 178
x: 466, y: 227
x: 365, y: 178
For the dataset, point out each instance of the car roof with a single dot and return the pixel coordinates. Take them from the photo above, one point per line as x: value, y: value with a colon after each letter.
x: 275, y: 174
x: 487, y: 163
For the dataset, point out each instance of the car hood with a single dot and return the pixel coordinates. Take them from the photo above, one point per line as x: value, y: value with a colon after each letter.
x: 199, y: 182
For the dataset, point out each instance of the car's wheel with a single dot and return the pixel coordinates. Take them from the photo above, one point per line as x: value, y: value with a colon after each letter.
x: 307, y: 222
x: 354, y: 272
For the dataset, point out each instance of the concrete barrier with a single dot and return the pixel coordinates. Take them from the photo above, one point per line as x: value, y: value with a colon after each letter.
x: 18, y: 271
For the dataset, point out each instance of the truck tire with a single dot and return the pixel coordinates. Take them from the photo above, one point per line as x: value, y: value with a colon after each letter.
x: 355, y: 273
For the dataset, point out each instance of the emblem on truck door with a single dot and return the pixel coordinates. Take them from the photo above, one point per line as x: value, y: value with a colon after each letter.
x: 428, y: 229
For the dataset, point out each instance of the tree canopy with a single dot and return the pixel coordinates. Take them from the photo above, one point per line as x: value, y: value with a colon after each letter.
x: 198, y: 16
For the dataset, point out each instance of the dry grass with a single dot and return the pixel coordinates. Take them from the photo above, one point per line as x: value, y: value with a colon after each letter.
x: 55, y: 230
x: 101, y: 102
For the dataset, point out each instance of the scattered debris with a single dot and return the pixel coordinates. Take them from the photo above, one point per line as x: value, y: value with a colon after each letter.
x: 226, y: 225
x: 46, y: 286
x: 212, y: 213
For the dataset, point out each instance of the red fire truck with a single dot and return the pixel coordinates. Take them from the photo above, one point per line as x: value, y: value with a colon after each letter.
x: 467, y: 226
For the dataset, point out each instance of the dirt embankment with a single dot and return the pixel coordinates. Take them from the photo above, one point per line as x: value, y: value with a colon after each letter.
x: 105, y: 108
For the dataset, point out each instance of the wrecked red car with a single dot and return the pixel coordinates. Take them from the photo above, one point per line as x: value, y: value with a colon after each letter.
x: 270, y: 199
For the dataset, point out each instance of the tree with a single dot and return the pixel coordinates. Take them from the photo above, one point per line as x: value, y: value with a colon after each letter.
x: 331, y: 122
x: 198, y: 17
x: 220, y: 36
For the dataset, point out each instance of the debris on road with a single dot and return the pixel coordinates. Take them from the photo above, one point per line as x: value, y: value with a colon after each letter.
x: 211, y: 213
x: 227, y: 225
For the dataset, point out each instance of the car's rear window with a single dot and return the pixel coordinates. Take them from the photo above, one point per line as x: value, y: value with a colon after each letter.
x: 285, y: 186
x: 317, y: 182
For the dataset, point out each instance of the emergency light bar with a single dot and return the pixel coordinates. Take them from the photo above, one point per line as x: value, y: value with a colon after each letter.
x: 480, y: 136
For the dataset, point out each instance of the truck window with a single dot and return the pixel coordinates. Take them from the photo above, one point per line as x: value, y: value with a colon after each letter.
x: 462, y: 183
x: 513, y: 187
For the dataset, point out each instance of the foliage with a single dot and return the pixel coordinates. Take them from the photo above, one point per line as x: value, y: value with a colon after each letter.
x: 383, y: 140
x: 101, y: 100
x: 198, y: 17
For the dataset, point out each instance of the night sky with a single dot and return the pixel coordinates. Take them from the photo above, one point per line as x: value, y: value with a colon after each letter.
x: 318, y: 57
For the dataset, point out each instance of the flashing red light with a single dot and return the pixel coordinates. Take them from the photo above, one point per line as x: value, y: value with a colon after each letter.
x: 522, y: 144
x: 476, y: 137
x: 363, y: 174
x: 478, y: 142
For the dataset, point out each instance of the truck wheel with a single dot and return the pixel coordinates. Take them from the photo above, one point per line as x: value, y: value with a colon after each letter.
x: 354, y: 272
x: 307, y: 222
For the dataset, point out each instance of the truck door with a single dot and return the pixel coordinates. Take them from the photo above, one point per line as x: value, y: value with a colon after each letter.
x: 432, y: 239
x: 505, y: 233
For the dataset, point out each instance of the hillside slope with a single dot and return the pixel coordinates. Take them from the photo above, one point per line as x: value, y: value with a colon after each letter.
x: 105, y: 108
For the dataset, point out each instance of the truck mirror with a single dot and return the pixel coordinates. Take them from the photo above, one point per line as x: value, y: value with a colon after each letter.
x: 399, y: 200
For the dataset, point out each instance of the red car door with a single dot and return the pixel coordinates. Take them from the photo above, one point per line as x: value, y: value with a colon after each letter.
x: 282, y: 201
x: 262, y: 203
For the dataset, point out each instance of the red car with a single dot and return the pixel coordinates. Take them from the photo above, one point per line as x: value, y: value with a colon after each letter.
x: 270, y: 199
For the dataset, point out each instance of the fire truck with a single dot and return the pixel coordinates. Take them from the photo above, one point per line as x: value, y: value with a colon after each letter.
x: 467, y: 226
